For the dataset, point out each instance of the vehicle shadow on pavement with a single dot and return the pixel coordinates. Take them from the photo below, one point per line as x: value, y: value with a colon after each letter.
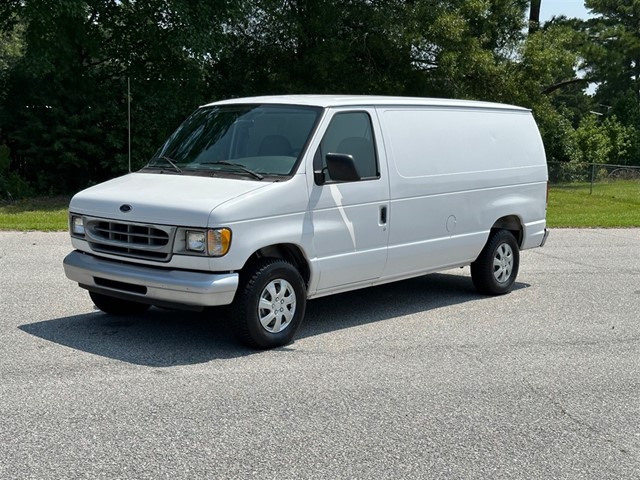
x: 420, y: 294
x: 157, y: 338
x: 166, y: 338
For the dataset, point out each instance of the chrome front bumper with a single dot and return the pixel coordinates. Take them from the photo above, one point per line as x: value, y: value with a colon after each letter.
x: 148, y: 284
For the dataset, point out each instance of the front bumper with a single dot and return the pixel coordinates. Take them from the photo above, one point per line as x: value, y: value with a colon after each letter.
x: 158, y: 286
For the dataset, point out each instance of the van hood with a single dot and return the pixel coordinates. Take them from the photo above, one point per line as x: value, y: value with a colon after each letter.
x: 160, y: 198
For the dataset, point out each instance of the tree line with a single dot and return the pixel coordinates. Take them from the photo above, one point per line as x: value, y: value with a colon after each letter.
x: 65, y: 66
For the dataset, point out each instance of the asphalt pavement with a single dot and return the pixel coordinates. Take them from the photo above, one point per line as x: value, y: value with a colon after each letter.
x: 418, y: 379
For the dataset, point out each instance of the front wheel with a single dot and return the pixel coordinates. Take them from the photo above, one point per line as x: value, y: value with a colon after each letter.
x: 496, y: 268
x: 270, y: 304
x: 117, y: 306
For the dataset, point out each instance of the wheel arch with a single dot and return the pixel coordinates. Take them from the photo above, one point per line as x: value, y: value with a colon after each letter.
x: 513, y: 223
x: 286, y: 251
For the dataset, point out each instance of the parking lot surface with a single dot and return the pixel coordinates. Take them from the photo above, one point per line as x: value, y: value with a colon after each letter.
x: 418, y: 379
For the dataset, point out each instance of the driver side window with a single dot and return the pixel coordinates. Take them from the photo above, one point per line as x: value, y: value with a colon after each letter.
x: 349, y: 133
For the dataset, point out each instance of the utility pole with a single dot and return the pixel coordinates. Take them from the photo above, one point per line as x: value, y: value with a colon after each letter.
x: 129, y: 118
x: 534, y: 16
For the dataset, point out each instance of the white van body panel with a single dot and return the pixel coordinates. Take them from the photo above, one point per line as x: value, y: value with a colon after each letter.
x: 448, y: 172
x: 259, y: 214
x: 274, y: 215
x: 349, y: 240
x: 453, y: 173
x: 161, y: 199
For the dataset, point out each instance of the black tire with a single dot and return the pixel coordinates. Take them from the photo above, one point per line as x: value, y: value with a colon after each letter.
x: 283, y: 293
x: 496, y: 268
x: 117, y: 306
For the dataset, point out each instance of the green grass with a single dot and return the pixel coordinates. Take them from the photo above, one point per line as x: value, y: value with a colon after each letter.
x: 45, y: 214
x: 615, y: 204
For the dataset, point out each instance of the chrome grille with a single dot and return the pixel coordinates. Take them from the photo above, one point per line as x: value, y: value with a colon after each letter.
x: 151, y: 242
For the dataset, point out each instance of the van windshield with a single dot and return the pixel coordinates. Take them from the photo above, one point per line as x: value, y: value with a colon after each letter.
x: 251, y: 141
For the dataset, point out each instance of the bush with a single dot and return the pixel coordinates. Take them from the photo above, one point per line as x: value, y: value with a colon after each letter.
x: 12, y: 186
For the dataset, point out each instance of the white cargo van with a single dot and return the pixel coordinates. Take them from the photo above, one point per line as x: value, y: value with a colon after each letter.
x: 263, y: 203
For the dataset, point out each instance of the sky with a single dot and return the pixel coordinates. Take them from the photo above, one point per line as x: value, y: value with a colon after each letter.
x: 568, y: 8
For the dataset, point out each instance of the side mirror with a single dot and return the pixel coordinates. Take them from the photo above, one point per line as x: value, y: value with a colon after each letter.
x: 318, y: 176
x: 341, y: 167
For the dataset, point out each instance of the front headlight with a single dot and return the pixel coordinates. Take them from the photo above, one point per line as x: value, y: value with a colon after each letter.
x: 196, y: 241
x: 76, y: 224
x: 213, y: 242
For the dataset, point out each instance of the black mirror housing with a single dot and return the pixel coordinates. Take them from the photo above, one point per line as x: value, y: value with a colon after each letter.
x: 341, y: 167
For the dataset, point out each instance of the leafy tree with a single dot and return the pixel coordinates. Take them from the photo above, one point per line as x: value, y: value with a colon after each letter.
x: 65, y: 64
x: 66, y: 108
x: 613, y: 59
x: 592, y: 141
x: 614, y: 50
x: 605, y: 142
x: 468, y: 46
x: 11, y: 50
x: 54, y: 101
x: 163, y: 48
x: 421, y: 47
x: 317, y: 46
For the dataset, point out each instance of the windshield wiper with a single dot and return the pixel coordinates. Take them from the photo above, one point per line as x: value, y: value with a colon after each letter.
x: 166, y: 159
x: 237, y: 165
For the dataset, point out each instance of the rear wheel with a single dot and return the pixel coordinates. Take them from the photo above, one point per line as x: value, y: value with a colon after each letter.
x: 117, y: 306
x: 496, y: 268
x: 270, y: 304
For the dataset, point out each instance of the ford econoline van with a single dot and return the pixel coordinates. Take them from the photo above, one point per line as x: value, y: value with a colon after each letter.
x: 263, y: 203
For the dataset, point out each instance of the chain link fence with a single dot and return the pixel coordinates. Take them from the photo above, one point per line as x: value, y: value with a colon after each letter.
x: 592, y: 173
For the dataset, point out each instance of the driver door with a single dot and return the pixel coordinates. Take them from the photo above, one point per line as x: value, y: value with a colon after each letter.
x: 350, y: 218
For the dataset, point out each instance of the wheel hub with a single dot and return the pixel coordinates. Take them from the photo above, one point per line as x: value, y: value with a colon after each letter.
x: 277, y: 305
x: 503, y: 263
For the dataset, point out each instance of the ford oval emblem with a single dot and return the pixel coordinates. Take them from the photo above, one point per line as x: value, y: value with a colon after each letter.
x: 125, y: 208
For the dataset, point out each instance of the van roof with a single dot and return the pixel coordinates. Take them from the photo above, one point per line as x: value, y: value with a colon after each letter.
x: 362, y: 101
